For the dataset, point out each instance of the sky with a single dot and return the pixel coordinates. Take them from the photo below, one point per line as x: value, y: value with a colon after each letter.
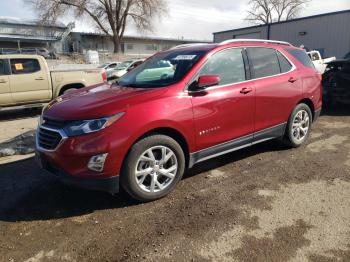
x: 189, y: 19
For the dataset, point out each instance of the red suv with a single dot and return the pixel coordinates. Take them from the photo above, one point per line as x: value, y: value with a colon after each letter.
x: 180, y: 107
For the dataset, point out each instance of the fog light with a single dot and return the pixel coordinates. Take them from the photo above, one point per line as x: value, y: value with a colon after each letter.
x: 97, y: 162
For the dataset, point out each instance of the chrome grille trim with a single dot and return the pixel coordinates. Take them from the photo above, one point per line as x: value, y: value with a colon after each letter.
x: 43, y: 138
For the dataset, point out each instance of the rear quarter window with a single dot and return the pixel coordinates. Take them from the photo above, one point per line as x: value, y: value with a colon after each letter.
x: 302, y: 57
x: 24, y: 66
x: 285, y: 65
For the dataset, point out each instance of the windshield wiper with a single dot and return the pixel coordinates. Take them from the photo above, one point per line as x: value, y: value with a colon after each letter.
x: 131, y: 85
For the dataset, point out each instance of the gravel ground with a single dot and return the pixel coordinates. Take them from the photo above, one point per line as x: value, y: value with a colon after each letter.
x: 264, y: 203
x: 16, y: 122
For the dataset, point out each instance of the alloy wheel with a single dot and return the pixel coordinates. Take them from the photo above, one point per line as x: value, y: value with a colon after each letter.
x: 301, y: 125
x: 156, y: 169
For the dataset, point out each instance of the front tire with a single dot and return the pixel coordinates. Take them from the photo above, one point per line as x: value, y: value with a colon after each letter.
x: 153, y: 167
x: 299, y: 126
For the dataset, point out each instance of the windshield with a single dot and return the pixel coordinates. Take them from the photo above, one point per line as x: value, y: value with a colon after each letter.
x: 103, y: 65
x: 162, y: 69
x: 124, y: 65
x: 347, y: 56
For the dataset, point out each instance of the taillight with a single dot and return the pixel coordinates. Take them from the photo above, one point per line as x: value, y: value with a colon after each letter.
x: 104, y: 76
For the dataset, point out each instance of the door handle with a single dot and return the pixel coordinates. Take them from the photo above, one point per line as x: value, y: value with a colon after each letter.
x: 2, y: 81
x: 39, y: 78
x: 292, y: 80
x: 246, y: 90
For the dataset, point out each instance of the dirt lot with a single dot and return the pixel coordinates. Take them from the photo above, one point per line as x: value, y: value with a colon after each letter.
x: 265, y: 203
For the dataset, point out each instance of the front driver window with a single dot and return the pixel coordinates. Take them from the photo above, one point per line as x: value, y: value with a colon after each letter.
x: 227, y: 64
x: 111, y: 66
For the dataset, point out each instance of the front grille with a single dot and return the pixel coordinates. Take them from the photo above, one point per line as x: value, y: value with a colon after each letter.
x: 48, y: 139
x: 56, y: 124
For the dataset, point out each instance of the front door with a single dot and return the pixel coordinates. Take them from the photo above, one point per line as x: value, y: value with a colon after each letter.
x: 225, y: 112
x: 29, y: 81
x: 5, y: 91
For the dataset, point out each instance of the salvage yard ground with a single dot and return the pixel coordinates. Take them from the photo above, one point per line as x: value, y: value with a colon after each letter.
x: 265, y: 203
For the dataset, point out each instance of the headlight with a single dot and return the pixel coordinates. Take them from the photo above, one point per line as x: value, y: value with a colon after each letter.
x: 81, y: 127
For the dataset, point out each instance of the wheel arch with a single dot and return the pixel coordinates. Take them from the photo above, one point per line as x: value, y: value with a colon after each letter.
x: 68, y: 86
x: 310, y: 104
x: 167, y: 131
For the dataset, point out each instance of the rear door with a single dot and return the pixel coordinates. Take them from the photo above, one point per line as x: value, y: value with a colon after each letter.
x: 278, y: 89
x: 5, y: 91
x: 29, y: 80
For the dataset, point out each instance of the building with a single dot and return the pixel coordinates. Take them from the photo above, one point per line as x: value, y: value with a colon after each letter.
x: 131, y: 45
x: 328, y: 33
x: 21, y: 33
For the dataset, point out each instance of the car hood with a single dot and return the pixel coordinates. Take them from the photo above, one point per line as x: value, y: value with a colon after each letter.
x: 98, y: 101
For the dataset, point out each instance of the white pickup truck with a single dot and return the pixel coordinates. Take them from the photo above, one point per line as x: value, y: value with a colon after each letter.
x: 319, y: 62
x: 26, y: 81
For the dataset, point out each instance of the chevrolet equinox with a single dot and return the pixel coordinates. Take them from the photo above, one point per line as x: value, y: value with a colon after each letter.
x: 180, y: 107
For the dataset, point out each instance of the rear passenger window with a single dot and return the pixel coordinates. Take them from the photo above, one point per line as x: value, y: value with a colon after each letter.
x: 284, y: 63
x: 227, y: 64
x: 24, y: 66
x: 264, y: 62
x: 302, y: 57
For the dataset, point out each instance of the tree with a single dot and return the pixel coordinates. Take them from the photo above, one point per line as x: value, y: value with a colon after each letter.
x: 268, y: 11
x: 110, y: 16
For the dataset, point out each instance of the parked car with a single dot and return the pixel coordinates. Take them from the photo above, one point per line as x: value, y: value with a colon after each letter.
x: 25, y: 80
x: 336, y: 82
x: 36, y: 51
x: 319, y: 62
x: 29, y: 51
x: 9, y: 51
x: 141, y: 134
x: 124, y: 67
x: 109, y: 67
x: 160, y: 70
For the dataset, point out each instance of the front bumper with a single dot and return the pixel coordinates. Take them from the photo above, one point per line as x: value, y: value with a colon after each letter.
x: 72, y: 154
x: 106, y: 184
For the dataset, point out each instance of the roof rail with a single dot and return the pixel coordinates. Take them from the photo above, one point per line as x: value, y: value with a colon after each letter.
x: 255, y: 40
x: 187, y: 45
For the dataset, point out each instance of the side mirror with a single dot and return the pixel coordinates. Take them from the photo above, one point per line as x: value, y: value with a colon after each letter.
x: 204, y: 82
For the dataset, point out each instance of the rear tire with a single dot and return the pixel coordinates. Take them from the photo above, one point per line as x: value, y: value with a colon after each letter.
x: 153, y: 167
x: 299, y: 126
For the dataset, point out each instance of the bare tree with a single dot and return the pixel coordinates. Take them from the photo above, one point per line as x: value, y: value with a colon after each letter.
x: 268, y: 11
x: 110, y: 16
